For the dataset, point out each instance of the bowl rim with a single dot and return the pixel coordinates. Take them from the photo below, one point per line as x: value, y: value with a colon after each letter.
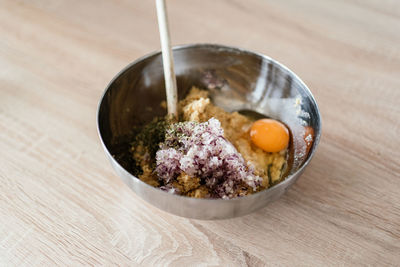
x: 287, y: 180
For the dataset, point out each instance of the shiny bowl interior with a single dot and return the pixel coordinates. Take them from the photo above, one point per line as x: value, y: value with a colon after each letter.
x: 237, y: 80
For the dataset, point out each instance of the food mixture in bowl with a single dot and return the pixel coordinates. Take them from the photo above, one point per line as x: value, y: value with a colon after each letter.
x: 210, y: 153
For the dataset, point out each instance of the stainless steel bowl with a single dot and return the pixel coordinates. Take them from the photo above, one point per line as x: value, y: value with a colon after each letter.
x: 237, y: 80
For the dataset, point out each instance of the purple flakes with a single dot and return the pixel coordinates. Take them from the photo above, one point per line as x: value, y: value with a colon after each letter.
x: 200, y: 150
x: 169, y: 167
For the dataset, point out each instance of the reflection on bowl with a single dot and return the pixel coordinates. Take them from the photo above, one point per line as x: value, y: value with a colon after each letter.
x: 237, y: 80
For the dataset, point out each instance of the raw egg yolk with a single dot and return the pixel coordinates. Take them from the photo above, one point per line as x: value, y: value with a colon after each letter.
x: 269, y: 135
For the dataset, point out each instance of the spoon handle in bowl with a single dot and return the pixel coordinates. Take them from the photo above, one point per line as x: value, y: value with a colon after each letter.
x: 168, y: 61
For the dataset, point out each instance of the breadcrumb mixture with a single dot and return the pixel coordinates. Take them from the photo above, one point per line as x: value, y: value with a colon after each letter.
x: 197, y: 107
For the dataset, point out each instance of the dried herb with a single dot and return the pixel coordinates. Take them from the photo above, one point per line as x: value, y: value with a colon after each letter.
x: 150, y: 136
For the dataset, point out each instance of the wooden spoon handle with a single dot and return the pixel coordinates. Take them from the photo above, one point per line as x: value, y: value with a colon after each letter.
x: 168, y: 61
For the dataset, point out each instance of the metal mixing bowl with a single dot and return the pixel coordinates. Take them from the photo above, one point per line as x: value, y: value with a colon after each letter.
x: 237, y: 80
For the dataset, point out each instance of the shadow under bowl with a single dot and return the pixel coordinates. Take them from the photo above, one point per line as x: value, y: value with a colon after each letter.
x: 237, y: 80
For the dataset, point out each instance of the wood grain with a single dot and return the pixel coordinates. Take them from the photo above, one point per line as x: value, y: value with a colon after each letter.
x: 61, y: 203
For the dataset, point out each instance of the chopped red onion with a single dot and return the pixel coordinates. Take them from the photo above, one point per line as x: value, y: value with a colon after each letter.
x: 200, y: 150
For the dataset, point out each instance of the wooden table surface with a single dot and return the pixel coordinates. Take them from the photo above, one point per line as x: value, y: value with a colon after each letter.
x: 61, y: 202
